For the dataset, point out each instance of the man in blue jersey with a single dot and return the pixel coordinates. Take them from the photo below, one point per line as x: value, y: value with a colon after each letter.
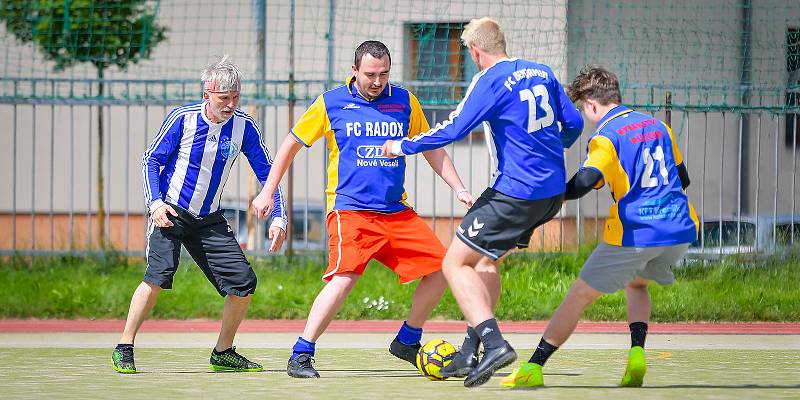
x: 649, y: 227
x: 368, y: 215
x: 523, y: 104
x: 185, y: 170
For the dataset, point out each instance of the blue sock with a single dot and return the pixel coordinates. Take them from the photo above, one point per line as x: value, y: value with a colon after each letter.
x: 303, y: 346
x: 408, y: 334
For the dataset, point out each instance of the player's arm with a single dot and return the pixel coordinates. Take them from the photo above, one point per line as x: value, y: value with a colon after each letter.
x: 472, y: 110
x: 582, y: 182
x: 312, y: 125
x: 154, y: 158
x: 683, y: 174
x: 258, y: 156
x: 569, y: 117
x: 443, y: 166
x: 595, y: 170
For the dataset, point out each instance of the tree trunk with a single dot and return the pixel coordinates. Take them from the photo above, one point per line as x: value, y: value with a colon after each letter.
x: 101, y: 210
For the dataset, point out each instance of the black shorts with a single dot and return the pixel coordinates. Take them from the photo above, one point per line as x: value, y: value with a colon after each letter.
x: 210, y: 242
x: 498, y: 223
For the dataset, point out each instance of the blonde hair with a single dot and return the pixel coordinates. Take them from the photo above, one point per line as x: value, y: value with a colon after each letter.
x: 484, y: 33
x: 222, y: 75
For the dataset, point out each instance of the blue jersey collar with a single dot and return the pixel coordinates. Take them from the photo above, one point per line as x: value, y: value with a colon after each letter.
x: 611, y: 114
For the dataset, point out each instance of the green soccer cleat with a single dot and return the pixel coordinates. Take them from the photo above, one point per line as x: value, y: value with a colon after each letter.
x: 527, y: 375
x: 637, y: 366
x: 231, y: 361
x: 122, y: 360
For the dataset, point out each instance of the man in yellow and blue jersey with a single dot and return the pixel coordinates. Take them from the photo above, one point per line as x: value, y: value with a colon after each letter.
x: 368, y: 215
x: 649, y: 227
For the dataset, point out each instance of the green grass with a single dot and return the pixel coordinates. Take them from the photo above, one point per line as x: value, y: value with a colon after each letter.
x: 533, y: 286
x: 373, y: 373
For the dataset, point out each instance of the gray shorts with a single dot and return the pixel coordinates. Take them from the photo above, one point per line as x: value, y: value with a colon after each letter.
x: 610, y: 268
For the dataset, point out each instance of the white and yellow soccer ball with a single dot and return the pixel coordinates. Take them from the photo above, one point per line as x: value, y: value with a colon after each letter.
x: 434, y: 356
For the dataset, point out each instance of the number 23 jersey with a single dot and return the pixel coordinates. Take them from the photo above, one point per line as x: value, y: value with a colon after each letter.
x: 639, y: 159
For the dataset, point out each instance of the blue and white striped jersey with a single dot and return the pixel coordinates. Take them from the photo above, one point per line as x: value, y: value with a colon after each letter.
x: 532, y: 121
x: 189, y: 161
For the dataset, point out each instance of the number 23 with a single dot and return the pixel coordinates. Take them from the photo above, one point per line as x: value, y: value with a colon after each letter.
x: 530, y: 96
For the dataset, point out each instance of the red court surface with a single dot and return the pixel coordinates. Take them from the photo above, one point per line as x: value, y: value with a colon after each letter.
x: 382, y: 326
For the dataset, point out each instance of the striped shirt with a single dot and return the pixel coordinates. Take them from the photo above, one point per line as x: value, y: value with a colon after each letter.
x: 191, y: 157
x: 531, y: 118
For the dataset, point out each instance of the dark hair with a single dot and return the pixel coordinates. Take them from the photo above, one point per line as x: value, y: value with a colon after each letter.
x: 596, y: 83
x: 374, y: 48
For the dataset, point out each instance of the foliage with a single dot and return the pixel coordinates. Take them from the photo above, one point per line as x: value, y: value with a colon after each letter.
x: 103, y: 33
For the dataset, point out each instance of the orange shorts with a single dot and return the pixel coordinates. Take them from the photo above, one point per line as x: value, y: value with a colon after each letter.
x: 401, y: 241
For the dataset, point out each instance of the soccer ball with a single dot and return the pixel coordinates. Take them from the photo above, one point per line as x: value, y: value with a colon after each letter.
x: 433, y: 356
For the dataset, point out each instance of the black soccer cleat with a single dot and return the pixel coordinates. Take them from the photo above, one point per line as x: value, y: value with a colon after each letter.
x: 461, y: 365
x: 300, y: 367
x: 493, y: 359
x: 406, y: 352
x: 231, y: 361
x: 122, y: 360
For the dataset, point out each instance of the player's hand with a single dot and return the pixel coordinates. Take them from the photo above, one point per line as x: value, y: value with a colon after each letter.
x: 466, y: 198
x: 276, y: 235
x: 263, y: 204
x: 387, y: 149
x: 159, y: 216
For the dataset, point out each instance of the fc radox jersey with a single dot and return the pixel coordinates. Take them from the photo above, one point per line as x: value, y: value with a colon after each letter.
x: 638, y: 158
x: 360, y: 177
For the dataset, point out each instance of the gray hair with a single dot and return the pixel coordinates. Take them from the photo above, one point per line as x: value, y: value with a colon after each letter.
x: 222, y: 76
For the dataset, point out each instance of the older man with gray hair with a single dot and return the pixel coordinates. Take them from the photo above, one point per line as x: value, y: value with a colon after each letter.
x: 184, y: 171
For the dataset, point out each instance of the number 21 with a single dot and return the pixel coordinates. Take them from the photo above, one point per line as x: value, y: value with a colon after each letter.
x: 649, y: 159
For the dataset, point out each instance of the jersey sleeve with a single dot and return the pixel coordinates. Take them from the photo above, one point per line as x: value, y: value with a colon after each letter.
x: 676, y: 153
x: 314, y: 123
x: 568, y: 115
x: 602, y: 157
x: 417, y: 121
x: 472, y: 110
x: 258, y: 156
x: 155, y: 157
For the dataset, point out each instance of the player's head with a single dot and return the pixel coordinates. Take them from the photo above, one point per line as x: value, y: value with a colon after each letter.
x: 221, y: 85
x: 595, y: 90
x: 483, y: 36
x: 371, y: 68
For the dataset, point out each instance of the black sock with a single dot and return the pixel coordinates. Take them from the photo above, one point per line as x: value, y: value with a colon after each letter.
x: 638, y: 333
x: 220, y: 352
x: 124, y: 346
x: 489, y: 333
x: 543, y: 351
x: 471, y: 342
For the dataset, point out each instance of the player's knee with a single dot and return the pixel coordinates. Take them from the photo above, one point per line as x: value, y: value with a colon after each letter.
x: 638, y: 284
x: 436, y: 277
x: 485, y: 265
x: 583, y: 292
x: 343, y: 282
x: 152, y: 287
